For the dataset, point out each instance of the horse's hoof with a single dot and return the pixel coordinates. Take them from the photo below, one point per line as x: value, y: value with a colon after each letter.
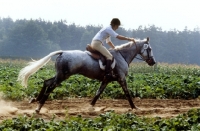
x: 91, y: 108
x: 32, y: 100
x: 130, y: 109
x: 37, y: 111
x: 137, y: 108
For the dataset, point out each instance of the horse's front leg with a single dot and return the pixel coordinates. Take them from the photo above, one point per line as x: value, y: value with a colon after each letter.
x: 99, y: 91
x: 123, y: 84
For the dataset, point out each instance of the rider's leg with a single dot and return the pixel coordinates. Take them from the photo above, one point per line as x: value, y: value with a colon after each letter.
x: 108, y: 68
x: 97, y: 45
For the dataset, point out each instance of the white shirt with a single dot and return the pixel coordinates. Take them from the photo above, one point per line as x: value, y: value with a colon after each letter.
x: 105, y: 33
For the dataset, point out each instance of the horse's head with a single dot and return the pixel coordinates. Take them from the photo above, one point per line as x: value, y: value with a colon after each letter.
x: 146, y: 53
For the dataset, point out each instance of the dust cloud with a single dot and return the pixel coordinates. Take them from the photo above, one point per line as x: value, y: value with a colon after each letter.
x: 6, y: 108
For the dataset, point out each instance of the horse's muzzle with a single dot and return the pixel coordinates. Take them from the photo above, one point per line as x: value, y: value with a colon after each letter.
x: 151, y: 61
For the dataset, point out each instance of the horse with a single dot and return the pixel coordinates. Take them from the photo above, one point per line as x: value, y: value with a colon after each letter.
x: 70, y: 62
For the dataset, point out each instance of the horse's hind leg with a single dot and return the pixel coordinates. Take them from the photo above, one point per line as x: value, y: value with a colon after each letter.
x: 49, y: 85
x: 42, y: 91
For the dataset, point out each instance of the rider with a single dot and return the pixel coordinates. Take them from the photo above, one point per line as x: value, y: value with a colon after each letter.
x: 104, y: 34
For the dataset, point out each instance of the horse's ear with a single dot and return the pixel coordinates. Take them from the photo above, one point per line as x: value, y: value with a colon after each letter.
x: 148, y: 39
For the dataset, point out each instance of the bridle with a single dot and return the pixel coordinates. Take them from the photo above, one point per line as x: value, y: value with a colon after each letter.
x: 141, y: 58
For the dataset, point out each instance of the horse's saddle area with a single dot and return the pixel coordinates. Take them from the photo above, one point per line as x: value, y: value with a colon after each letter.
x: 98, y: 56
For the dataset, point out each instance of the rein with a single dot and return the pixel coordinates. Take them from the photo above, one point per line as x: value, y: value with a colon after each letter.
x: 136, y: 56
x: 124, y: 57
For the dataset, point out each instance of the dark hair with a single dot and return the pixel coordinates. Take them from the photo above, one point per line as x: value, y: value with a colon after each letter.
x: 115, y: 21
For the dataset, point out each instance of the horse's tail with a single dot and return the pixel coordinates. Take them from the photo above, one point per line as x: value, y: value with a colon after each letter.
x: 33, y: 67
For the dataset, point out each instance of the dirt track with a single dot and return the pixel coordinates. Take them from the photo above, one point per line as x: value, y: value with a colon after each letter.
x: 75, y: 106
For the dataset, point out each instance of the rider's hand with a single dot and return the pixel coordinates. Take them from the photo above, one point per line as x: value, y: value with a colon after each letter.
x: 116, y: 48
x: 111, y: 48
x: 132, y: 39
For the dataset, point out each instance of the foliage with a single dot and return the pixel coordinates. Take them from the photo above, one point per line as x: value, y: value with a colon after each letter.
x: 163, y: 81
x: 110, y: 121
x: 36, y: 38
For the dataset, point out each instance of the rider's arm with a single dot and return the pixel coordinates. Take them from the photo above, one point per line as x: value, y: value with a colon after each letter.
x: 108, y: 41
x: 123, y: 38
x: 111, y: 44
x: 112, y: 33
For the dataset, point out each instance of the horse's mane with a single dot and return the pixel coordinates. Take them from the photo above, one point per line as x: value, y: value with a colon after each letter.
x: 128, y: 45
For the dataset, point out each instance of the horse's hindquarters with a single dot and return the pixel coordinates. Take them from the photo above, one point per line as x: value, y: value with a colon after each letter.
x: 78, y: 62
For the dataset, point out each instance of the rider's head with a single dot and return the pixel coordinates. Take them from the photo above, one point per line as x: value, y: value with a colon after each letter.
x: 115, y: 23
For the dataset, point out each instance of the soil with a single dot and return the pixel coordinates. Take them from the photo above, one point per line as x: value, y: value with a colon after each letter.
x: 61, y: 109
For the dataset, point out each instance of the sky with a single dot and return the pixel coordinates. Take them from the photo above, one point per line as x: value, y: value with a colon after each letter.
x: 167, y: 14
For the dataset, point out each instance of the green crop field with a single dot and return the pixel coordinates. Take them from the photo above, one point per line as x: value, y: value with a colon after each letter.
x: 163, y: 81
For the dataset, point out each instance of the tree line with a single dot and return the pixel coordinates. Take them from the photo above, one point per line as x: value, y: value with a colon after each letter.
x: 36, y: 38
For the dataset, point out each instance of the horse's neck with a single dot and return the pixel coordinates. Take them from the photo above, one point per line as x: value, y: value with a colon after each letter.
x: 129, y: 53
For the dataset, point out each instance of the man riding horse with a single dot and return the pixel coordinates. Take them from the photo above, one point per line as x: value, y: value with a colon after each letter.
x: 104, y: 35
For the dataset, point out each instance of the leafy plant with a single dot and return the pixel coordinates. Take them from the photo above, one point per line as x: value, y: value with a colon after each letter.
x: 163, y: 82
x: 107, y: 121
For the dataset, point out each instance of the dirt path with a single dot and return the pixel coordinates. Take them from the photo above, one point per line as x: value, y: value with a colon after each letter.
x: 75, y: 106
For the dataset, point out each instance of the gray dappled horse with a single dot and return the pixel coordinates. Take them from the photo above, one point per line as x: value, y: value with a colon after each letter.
x: 72, y: 62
